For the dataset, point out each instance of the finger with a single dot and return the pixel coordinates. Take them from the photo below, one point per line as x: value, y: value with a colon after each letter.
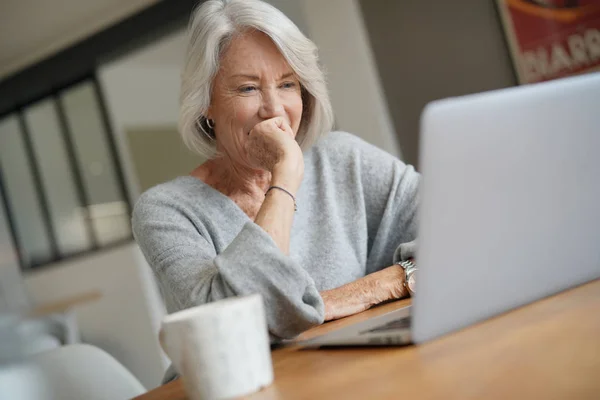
x: 266, y: 125
x: 279, y: 125
x: 279, y: 122
x: 259, y: 127
x: 283, y: 125
x: 288, y: 129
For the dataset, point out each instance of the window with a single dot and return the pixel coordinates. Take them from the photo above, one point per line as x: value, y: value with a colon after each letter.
x: 107, y: 208
x: 22, y: 200
x: 62, y: 184
x: 57, y: 178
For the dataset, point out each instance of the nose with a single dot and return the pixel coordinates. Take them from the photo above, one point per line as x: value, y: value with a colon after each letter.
x: 271, y: 105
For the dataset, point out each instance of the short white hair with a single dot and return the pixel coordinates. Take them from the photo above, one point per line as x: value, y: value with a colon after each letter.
x: 212, y: 26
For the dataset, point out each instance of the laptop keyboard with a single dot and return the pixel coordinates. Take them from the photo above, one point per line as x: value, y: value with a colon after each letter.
x: 400, y: 323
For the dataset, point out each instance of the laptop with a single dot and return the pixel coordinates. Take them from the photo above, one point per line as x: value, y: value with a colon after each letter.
x: 510, y: 208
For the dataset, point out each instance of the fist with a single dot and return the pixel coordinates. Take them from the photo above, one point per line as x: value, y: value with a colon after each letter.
x: 272, y: 143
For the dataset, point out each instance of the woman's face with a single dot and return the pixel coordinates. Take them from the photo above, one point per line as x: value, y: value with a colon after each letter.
x: 254, y: 83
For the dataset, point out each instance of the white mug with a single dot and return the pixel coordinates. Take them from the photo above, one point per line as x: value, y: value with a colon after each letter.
x: 220, y: 349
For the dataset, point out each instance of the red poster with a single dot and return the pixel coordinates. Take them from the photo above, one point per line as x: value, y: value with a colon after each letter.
x: 550, y: 39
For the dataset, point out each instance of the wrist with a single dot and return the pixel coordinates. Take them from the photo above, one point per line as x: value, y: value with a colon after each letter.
x: 352, y: 298
x: 391, y: 284
x: 379, y: 287
x: 410, y: 269
x: 285, y: 176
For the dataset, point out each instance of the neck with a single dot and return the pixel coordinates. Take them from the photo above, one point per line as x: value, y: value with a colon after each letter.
x: 234, y: 180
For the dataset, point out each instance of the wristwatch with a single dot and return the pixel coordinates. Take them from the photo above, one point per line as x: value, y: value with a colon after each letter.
x: 410, y: 268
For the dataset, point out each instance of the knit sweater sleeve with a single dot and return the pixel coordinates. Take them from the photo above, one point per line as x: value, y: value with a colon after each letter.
x: 179, y: 249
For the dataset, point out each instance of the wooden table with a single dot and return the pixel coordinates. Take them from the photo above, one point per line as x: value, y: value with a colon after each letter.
x: 65, y: 304
x: 549, y: 349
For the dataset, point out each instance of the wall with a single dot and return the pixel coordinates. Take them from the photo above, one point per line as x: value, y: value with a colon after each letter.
x: 159, y: 155
x: 337, y: 28
x: 142, y: 91
x: 140, y: 96
x: 430, y: 50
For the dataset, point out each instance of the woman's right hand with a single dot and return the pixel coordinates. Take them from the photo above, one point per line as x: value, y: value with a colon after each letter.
x: 354, y: 297
x: 391, y: 283
x: 271, y: 146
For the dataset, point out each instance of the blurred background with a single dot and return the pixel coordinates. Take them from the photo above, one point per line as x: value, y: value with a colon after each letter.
x: 88, y: 121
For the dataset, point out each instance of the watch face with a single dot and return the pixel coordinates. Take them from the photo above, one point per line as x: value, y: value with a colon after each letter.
x: 412, y: 283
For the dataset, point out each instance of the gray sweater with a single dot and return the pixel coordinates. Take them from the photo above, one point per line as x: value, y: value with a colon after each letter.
x: 356, y: 205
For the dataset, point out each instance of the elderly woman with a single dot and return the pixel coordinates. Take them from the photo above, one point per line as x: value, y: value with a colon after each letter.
x: 313, y: 221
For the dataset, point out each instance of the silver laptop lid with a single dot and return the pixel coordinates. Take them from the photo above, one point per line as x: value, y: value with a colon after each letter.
x: 510, y: 207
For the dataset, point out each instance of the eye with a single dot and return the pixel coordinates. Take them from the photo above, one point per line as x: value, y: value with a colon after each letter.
x: 247, y: 89
x: 288, y: 85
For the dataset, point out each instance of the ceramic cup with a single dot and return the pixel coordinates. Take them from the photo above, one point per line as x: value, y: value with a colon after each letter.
x: 220, y: 349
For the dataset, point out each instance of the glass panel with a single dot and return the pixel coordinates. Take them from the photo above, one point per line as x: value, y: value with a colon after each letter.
x: 58, y: 182
x: 21, y: 195
x: 107, y: 209
x: 13, y: 297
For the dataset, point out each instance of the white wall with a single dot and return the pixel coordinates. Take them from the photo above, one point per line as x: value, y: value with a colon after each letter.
x: 338, y: 30
x: 123, y: 322
x: 139, y: 97
x: 142, y: 90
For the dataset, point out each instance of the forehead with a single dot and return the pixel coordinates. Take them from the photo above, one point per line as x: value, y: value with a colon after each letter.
x: 253, y: 51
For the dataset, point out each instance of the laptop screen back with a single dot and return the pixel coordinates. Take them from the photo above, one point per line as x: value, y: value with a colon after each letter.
x: 510, y: 207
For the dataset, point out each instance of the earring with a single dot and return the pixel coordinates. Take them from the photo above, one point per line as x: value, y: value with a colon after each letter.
x: 208, y: 130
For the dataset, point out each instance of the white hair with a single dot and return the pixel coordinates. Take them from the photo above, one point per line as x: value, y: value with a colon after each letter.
x: 213, y: 24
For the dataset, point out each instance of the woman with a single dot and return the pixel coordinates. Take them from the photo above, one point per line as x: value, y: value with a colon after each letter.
x: 254, y: 101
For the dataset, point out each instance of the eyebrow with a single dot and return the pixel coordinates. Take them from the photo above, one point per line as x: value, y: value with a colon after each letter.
x: 285, y: 76
x: 256, y: 78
